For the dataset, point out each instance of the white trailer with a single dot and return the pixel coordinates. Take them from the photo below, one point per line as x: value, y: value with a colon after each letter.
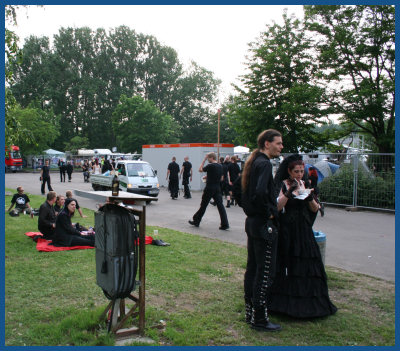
x: 160, y: 155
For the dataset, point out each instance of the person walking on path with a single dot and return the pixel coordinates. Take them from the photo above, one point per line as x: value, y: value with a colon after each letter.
x: 186, y: 174
x: 45, y: 177
x: 260, y: 206
x: 173, y: 175
x: 70, y: 169
x: 211, y: 191
x: 62, y: 168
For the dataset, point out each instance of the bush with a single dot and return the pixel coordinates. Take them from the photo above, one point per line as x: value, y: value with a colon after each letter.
x: 372, y: 190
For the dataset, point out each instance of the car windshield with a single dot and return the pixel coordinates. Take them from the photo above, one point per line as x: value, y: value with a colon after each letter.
x: 15, y: 154
x: 140, y: 170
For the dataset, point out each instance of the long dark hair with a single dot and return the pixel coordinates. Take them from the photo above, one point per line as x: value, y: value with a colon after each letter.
x: 65, y: 209
x: 266, y: 135
x: 282, y: 173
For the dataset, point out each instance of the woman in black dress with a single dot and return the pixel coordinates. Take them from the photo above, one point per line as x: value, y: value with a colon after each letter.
x: 66, y: 234
x: 300, y: 287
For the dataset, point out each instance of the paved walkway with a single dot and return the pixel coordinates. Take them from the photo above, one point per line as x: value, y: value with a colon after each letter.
x: 361, y: 241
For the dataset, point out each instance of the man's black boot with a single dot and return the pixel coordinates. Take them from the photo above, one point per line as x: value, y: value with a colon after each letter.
x: 228, y: 204
x: 260, y: 320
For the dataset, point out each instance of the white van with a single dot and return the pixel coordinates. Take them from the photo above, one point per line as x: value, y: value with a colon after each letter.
x: 134, y: 176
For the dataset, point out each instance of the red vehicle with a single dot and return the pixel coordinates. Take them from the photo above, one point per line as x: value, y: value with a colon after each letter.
x: 13, y: 159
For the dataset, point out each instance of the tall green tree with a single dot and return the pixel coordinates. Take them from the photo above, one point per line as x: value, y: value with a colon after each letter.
x: 84, y: 74
x: 280, y: 91
x: 12, y: 128
x: 41, y: 132
x: 137, y: 122
x: 356, y: 49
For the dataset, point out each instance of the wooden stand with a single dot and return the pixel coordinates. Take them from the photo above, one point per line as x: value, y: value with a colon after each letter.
x: 118, y: 315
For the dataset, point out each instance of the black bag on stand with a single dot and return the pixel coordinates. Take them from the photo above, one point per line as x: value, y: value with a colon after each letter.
x: 116, y: 242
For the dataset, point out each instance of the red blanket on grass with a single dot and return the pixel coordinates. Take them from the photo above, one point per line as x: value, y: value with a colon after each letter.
x: 47, y: 246
x: 44, y: 245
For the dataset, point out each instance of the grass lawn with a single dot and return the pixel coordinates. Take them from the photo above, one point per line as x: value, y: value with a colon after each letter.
x: 195, y: 286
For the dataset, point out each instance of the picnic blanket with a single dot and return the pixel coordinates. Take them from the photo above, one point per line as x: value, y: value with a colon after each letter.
x: 44, y: 245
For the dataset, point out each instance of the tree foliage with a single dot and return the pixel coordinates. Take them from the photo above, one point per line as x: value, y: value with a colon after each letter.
x: 83, y: 75
x: 12, y: 53
x: 280, y: 91
x: 356, y: 46
x: 137, y: 122
x: 40, y: 133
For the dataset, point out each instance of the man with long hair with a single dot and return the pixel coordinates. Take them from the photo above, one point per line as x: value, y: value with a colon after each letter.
x: 260, y: 205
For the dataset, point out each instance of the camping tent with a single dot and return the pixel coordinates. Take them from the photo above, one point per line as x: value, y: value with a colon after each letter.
x: 52, y: 152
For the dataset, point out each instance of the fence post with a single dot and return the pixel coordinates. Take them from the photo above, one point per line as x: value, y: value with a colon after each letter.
x: 355, y: 179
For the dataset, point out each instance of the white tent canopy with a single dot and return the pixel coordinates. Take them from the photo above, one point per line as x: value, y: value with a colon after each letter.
x: 52, y: 152
x: 240, y: 149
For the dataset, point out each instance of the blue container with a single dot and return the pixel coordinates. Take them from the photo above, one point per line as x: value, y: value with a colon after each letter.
x: 320, y: 238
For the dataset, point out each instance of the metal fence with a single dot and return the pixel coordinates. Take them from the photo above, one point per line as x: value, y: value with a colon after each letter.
x: 357, y: 179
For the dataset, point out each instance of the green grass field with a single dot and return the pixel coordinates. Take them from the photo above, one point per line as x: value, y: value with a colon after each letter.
x: 195, y: 286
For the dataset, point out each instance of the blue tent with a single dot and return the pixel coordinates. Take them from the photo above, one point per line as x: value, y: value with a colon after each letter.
x: 320, y: 175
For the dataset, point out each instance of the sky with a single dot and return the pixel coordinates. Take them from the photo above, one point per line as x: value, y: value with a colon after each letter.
x: 215, y: 37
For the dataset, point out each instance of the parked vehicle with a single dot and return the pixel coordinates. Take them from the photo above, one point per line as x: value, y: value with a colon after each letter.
x: 13, y: 160
x: 134, y: 176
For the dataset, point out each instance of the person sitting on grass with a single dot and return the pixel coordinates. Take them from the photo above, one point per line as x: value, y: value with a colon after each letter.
x: 21, y: 202
x: 66, y: 234
x: 58, y: 206
x: 47, y: 216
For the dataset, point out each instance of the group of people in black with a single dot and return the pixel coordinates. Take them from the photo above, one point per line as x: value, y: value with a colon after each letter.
x: 173, y: 175
x: 55, y: 221
x: 65, y: 167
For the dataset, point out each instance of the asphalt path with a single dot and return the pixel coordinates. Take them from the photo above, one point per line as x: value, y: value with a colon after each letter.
x: 362, y: 241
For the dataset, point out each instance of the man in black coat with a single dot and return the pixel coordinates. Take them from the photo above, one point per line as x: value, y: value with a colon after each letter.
x: 173, y: 175
x: 70, y: 169
x: 47, y: 216
x: 211, y: 191
x: 45, y: 177
x: 186, y: 173
x: 260, y: 205
x: 62, y: 168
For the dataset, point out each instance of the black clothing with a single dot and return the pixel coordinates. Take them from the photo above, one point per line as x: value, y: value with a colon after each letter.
x: 225, y: 183
x: 187, y: 166
x: 173, y: 168
x: 20, y: 201
x: 47, y: 217
x: 57, y: 208
x: 85, y: 170
x: 70, y: 169
x: 259, y: 203
x: 214, y: 174
x: 46, y: 179
x: 46, y: 172
x: 67, y: 235
x: 212, y: 191
x: 260, y: 197
x: 62, y: 168
x: 234, y: 171
x: 300, y: 288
